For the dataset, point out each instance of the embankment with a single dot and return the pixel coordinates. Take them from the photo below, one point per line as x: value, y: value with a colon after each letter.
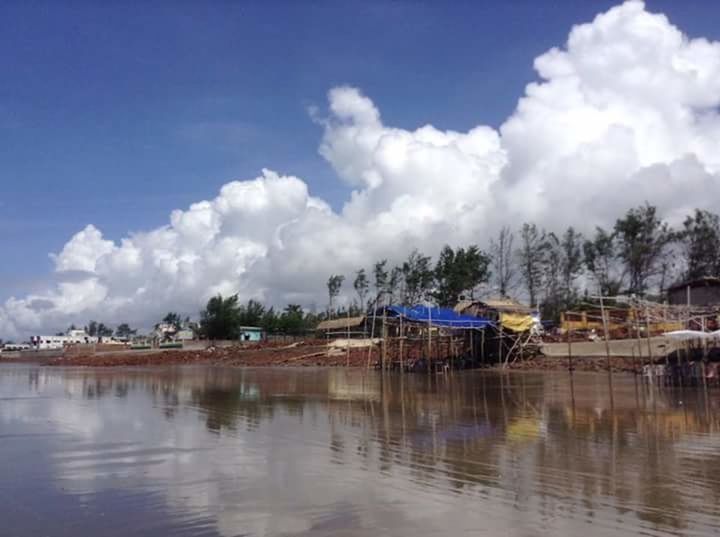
x: 308, y: 353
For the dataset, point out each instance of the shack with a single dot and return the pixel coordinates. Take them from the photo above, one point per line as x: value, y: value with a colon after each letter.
x: 703, y: 291
x: 419, y: 338
x: 516, y: 327
x: 343, y: 327
x: 251, y: 333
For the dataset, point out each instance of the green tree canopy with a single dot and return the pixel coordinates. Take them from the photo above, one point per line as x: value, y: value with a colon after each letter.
x: 173, y: 319
x: 459, y: 271
x: 123, y: 330
x: 701, y: 244
x: 334, y: 284
x: 418, y: 277
x: 361, y: 285
x: 642, y: 239
x: 221, y: 318
x: 531, y: 256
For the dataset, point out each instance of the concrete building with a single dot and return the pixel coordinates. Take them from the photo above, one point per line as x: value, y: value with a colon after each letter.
x: 251, y: 333
x: 73, y: 337
x: 700, y: 291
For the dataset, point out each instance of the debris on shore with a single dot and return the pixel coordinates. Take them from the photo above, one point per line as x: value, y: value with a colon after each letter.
x: 305, y: 353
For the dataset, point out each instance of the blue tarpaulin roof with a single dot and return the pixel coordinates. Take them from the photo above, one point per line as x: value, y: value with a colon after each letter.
x: 442, y: 317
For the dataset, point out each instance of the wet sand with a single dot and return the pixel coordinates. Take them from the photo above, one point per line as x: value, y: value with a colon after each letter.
x: 214, y: 451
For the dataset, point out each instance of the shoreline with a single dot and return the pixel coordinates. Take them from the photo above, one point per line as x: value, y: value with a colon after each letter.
x: 307, y: 354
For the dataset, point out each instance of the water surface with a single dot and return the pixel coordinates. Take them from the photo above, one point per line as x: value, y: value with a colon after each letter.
x: 229, y: 452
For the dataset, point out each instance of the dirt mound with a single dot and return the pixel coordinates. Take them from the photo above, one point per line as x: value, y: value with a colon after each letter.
x: 308, y: 353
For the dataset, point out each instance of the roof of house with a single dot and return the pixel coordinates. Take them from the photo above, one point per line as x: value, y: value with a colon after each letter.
x: 251, y: 329
x: 500, y: 304
x: 705, y: 281
x: 341, y: 323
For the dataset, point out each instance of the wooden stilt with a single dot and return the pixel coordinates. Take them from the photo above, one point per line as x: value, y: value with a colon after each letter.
x: 569, y: 343
x: 429, y: 353
x: 347, y: 341
x: 402, y: 344
x: 482, y: 346
x: 647, y: 328
x: 607, y: 349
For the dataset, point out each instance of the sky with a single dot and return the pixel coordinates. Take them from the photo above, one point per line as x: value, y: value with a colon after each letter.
x: 383, y: 126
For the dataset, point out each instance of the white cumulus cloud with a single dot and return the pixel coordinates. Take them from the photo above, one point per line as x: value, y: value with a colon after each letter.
x: 625, y: 111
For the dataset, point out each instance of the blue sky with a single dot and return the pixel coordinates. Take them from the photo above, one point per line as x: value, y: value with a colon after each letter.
x: 115, y: 114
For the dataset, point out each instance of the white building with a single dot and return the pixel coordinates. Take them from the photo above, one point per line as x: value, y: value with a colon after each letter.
x: 73, y: 337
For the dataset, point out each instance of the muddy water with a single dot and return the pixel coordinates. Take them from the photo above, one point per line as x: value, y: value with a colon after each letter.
x: 208, y: 451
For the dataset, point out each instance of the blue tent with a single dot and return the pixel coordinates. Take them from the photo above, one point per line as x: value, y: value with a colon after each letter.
x: 439, y: 317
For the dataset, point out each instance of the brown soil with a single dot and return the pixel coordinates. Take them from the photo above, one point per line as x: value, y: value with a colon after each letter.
x: 305, y: 353
x: 588, y: 363
x: 308, y: 353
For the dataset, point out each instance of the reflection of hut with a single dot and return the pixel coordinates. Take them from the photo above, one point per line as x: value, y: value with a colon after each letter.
x: 354, y: 327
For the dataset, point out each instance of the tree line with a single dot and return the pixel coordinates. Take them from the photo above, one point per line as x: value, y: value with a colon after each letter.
x: 224, y: 317
x: 640, y: 254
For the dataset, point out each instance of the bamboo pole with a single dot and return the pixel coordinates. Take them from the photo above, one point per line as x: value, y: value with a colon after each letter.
x: 647, y: 328
x: 402, y: 342
x: 372, y: 335
x: 482, y: 345
x: 429, y: 338
x: 687, y: 343
x: 705, y: 355
x: 607, y: 348
x: 347, y: 341
x: 668, y: 376
x: 500, y: 348
x: 569, y: 342
x: 384, y: 341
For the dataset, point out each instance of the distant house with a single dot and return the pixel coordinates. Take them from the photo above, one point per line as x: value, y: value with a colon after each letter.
x: 251, y: 333
x: 700, y: 292
x: 184, y: 334
x: 73, y: 337
x: 339, y: 328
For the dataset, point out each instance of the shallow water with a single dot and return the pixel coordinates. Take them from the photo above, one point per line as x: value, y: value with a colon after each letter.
x: 211, y: 451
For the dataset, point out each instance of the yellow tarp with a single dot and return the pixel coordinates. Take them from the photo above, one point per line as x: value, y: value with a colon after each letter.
x: 517, y: 322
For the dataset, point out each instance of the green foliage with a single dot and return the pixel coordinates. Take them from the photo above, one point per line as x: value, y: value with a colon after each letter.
x: 601, y: 259
x: 459, y: 271
x: 173, y: 319
x: 701, y: 244
x: 252, y: 314
x: 642, y: 238
x: 104, y: 331
x: 361, y: 285
x: 92, y: 328
x: 572, y: 263
x: 417, y: 277
x: 221, y: 318
x: 334, y: 284
x: 292, y: 320
x: 501, y: 252
x: 380, y: 275
x: 124, y: 331
x: 531, y: 254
